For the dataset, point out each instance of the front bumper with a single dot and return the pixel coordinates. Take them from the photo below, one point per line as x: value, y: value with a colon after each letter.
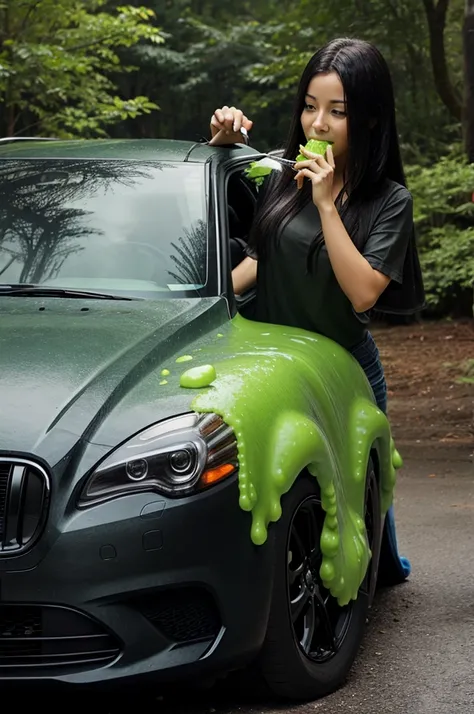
x: 141, y: 585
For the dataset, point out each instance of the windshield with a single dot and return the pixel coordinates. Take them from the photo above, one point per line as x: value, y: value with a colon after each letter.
x: 115, y: 226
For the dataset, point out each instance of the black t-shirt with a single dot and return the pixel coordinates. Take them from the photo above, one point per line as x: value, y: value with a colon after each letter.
x: 288, y: 293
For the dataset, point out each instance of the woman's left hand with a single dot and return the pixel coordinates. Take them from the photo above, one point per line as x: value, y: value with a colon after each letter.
x: 320, y: 171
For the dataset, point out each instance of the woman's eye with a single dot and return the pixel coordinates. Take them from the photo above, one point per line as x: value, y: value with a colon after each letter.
x: 309, y: 107
x: 339, y: 113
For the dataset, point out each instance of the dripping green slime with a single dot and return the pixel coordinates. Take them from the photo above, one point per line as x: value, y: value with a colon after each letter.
x: 299, y: 401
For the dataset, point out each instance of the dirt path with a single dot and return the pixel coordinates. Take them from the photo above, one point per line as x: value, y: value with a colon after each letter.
x: 430, y: 375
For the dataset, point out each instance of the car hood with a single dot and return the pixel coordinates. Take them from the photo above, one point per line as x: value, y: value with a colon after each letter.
x: 67, y: 366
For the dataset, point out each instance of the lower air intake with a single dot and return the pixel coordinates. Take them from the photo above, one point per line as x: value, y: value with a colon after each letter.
x: 46, y: 637
x: 183, y: 615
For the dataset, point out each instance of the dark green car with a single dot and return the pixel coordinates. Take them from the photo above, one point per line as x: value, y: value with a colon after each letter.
x: 183, y: 491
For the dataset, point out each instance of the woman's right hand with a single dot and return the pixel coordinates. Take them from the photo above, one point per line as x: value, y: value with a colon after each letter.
x: 226, y: 124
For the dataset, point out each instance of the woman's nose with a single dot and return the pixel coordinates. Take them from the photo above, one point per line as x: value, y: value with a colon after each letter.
x: 320, y: 122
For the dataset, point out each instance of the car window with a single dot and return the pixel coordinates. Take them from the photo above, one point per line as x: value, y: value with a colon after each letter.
x: 130, y: 227
x: 241, y: 199
x: 241, y: 205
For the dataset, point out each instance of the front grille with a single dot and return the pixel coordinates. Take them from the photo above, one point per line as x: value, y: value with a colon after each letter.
x: 183, y: 615
x: 37, y: 637
x: 24, y: 499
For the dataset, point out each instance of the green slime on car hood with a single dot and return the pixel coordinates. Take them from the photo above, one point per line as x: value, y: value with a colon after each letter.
x: 296, y: 401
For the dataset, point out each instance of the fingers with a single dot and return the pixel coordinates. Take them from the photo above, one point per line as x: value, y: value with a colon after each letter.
x: 330, y: 157
x: 307, y: 173
x: 222, y: 119
x: 315, y: 160
x: 300, y: 177
x: 320, y: 160
x: 316, y: 167
x: 237, y: 119
x: 312, y: 165
x: 304, y: 173
x: 219, y: 115
x: 216, y: 125
x: 230, y: 120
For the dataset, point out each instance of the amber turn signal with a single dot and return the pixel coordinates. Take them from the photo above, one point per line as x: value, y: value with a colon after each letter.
x: 213, y: 475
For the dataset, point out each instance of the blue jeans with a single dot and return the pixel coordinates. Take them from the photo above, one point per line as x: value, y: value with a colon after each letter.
x: 393, y: 568
x: 367, y: 355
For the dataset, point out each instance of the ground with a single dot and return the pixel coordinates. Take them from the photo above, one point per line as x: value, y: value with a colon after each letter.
x: 429, y: 369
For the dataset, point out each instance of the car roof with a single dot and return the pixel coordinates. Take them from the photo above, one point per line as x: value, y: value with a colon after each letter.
x: 121, y: 149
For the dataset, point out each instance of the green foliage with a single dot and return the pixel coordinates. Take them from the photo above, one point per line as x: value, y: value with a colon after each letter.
x: 448, y: 269
x: 55, y: 60
x: 467, y: 368
x: 444, y: 216
x: 253, y: 58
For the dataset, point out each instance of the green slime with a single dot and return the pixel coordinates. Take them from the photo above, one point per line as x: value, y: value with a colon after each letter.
x: 184, y: 358
x: 316, y: 147
x: 297, y: 401
x: 198, y: 377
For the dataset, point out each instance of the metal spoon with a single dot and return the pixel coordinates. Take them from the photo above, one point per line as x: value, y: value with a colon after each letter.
x: 271, y: 157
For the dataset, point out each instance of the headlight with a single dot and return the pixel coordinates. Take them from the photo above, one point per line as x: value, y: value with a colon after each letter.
x: 176, y: 457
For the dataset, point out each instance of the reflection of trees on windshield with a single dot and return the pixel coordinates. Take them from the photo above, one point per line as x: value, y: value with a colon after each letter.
x: 38, y: 227
x: 191, y: 256
x: 42, y: 247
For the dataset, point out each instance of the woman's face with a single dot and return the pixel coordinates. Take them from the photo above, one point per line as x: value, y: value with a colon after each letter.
x: 324, y: 116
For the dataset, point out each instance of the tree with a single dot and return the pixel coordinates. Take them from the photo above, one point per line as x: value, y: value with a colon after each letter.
x: 204, y: 60
x: 397, y: 27
x: 468, y: 36
x: 254, y: 58
x: 436, y: 14
x: 55, y: 61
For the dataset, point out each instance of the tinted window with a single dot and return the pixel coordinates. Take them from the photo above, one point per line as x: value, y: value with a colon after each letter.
x: 126, y: 227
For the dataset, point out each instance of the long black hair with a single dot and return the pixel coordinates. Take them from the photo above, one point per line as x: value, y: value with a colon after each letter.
x: 374, y: 151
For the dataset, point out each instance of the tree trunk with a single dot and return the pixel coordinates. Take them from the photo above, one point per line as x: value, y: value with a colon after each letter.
x: 436, y: 15
x: 468, y: 37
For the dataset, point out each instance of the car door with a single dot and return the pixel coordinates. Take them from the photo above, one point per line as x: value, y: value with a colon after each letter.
x: 240, y: 201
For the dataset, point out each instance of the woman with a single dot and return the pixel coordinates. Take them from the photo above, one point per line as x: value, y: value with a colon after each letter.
x: 334, y: 238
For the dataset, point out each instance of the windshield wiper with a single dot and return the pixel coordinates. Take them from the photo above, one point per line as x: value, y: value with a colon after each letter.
x: 28, y: 289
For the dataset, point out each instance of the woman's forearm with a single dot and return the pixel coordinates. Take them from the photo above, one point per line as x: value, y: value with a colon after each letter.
x: 244, y: 276
x: 360, y: 282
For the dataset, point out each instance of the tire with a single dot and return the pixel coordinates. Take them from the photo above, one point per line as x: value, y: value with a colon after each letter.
x: 288, y: 671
